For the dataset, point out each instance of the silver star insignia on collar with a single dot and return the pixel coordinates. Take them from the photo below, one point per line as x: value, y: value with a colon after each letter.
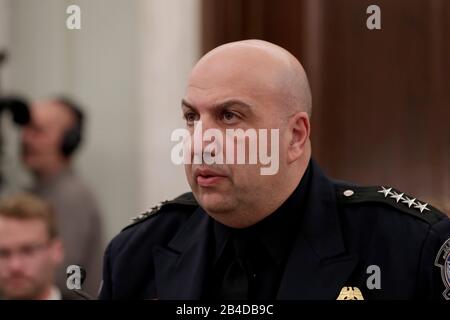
x: 397, y: 196
x: 421, y: 206
x: 409, y: 201
x: 385, y: 191
x: 139, y: 217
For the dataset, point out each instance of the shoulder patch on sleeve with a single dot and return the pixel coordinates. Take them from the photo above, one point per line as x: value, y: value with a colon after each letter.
x: 186, y: 199
x: 392, y: 197
x: 443, y: 262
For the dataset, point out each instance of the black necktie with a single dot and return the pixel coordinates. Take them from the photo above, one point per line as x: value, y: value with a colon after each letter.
x: 235, y: 285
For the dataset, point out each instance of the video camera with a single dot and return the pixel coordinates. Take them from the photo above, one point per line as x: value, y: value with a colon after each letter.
x: 18, y: 108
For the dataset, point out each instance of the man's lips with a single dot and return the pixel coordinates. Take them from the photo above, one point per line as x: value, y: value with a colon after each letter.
x: 206, y: 177
x: 17, y: 281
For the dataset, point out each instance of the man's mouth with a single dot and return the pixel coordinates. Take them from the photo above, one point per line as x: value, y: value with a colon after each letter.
x: 26, y: 150
x: 17, y: 282
x: 206, y: 177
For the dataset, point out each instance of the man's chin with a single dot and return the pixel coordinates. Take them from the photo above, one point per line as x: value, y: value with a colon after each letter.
x: 215, y: 202
x: 25, y: 292
x: 29, y: 161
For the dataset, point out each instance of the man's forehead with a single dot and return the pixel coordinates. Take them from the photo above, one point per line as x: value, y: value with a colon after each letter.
x: 235, y: 71
x: 50, y: 113
x: 15, y: 234
x: 219, y: 97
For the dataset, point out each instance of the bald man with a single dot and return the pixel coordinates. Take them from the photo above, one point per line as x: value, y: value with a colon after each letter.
x: 49, y: 144
x: 291, y: 234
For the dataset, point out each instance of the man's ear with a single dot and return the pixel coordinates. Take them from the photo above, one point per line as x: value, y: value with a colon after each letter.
x: 299, y: 131
x: 57, y: 251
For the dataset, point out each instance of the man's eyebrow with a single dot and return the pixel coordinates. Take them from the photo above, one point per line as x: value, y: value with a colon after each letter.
x: 224, y: 104
x: 184, y: 103
x: 233, y: 102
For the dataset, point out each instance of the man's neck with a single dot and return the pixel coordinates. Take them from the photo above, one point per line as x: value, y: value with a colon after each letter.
x: 45, y: 294
x: 51, y: 172
x: 285, y: 190
x: 257, y: 212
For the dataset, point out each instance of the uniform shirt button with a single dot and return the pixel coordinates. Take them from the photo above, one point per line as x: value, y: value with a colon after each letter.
x: 349, y: 193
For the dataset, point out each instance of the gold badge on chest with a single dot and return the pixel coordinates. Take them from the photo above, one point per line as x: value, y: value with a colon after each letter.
x: 350, y: 293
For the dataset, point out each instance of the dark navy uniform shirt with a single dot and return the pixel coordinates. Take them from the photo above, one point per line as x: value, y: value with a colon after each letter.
x: 333, y: 240
x: 267, y: 245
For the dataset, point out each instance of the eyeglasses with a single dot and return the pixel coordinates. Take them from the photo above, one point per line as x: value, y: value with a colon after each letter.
x: 24, y: 252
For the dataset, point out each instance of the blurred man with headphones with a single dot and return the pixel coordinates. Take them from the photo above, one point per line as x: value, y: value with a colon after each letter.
x: 49, y: 142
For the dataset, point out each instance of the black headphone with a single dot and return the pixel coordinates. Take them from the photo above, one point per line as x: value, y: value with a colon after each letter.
x: 73, y: 136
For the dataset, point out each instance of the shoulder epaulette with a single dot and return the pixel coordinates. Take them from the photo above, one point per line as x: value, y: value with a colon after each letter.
x: 392, y: 197
x: 186, y: 199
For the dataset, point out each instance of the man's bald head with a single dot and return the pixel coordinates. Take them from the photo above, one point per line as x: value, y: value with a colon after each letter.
x: 251, y: 86
x: 268, y: 66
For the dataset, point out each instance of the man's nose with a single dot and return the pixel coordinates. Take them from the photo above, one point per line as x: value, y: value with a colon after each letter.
x: 205, y: 138
x: 27, y: 133
x: 16, y: 262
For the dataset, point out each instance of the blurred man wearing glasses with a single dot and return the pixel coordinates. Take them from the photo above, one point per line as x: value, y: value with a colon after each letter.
x: 30, y: 249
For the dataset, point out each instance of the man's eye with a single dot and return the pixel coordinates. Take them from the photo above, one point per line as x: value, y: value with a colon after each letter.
x: 190, y: 117
x: 229, y: 117
x: 28, y: 250
x: 4, y: 254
